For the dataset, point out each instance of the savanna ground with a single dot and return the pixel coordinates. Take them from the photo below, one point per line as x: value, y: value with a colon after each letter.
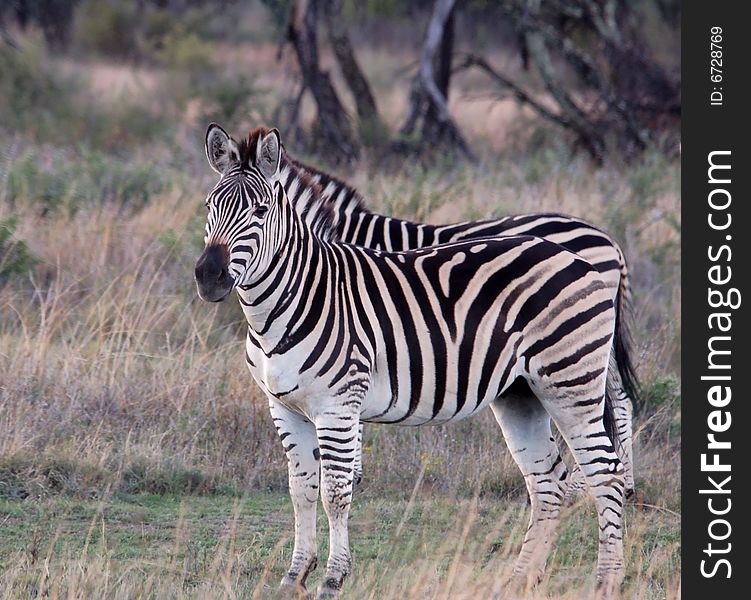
x: 137, y: 458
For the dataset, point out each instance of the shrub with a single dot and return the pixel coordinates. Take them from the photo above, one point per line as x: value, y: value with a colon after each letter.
x: 68, y: 184
x: 15, y: 257
x: 28, y: 182
x: 229, y: 98
x: 108, y: 27
x: 34, y: 97
x: 183, y: 50
x: 119, y: 125
x: 660, y: 392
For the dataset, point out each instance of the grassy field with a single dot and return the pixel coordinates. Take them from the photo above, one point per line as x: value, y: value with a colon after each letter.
x: 168, y: 546
x: 137, y: 458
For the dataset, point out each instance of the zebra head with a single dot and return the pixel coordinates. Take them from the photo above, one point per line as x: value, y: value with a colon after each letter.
x: 238, y: 207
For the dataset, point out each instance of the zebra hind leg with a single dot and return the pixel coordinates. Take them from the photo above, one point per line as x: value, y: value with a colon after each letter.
x: 624, y: 421
x: 358, y: 459
x: 623, y: 410
x: 580, y: 421
x: 526, y: 429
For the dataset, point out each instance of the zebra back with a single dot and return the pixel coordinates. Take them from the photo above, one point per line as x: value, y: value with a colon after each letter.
x: 356, y: 225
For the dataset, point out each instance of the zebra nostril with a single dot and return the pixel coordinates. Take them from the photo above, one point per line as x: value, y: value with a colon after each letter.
x: 223, y: 274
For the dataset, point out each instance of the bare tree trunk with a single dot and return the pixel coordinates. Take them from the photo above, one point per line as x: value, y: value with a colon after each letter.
x: 443, y: 71
x: 371, y: 126
x: 428, y: 103
x: 334, y: 135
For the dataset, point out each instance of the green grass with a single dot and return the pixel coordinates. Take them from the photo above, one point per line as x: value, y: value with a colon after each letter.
x: 224, y: 546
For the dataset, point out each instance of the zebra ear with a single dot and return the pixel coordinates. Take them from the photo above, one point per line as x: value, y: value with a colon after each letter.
x: 221, y: 149
x: 269, y: 154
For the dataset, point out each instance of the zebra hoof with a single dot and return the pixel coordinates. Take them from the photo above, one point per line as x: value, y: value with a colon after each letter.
x: 607, y: 590
x: 608, y: 584
x: 526, y: 581
x: 329, y: 590
x: 290, y: 590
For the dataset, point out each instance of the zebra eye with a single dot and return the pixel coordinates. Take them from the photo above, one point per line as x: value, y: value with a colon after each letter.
x: 260, y: 210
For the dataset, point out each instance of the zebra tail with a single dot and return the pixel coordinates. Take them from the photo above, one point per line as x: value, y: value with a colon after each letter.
x: 622, y: 345
x: 608, y: 419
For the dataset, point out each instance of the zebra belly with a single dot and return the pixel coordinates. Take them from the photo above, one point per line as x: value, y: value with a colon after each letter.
x: 392, y: 393
x: 419, y: 418
x: 429, y: 407
x: 420, y: 386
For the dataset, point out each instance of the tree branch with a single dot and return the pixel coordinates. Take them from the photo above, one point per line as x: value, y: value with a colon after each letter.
x: 472, y: 60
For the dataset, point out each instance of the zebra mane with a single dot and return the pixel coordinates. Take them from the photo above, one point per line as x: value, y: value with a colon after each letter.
x: 352, y: 200
x: 305, y: 194
x: 308, y: 199
x: 247, y: 147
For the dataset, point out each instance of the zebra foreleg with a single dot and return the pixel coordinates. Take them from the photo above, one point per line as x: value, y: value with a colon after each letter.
x: 337, y: 439
x: 582, y: 427
x: 298, y: 436
x: 526, y: 429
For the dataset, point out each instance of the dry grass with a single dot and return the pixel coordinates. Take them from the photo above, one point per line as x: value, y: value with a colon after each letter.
x: 167, y: 547
x: 116, y: 381
x: 224, y: 548
x: 137, y: 458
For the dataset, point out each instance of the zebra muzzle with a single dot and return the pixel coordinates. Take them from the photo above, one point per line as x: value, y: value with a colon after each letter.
x: 212, y: 274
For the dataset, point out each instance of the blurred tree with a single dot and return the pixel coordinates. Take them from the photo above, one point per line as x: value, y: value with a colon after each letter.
x: 593, y: 69
x: 372, y: 129
x: 620, y: 97
x: 54, y: 17
x: 428, y: 103
x: 333, y: 135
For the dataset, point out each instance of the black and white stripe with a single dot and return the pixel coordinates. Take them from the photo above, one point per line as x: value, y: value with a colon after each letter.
x: 339, y: 334
x: 356, y: 225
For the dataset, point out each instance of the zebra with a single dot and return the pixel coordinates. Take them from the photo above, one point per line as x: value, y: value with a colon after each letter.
x: 356, y: 225
x: 339, y: 334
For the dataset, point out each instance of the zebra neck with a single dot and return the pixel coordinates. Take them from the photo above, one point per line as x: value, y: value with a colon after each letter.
x: 307, y: 200
x: 298, y: 281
